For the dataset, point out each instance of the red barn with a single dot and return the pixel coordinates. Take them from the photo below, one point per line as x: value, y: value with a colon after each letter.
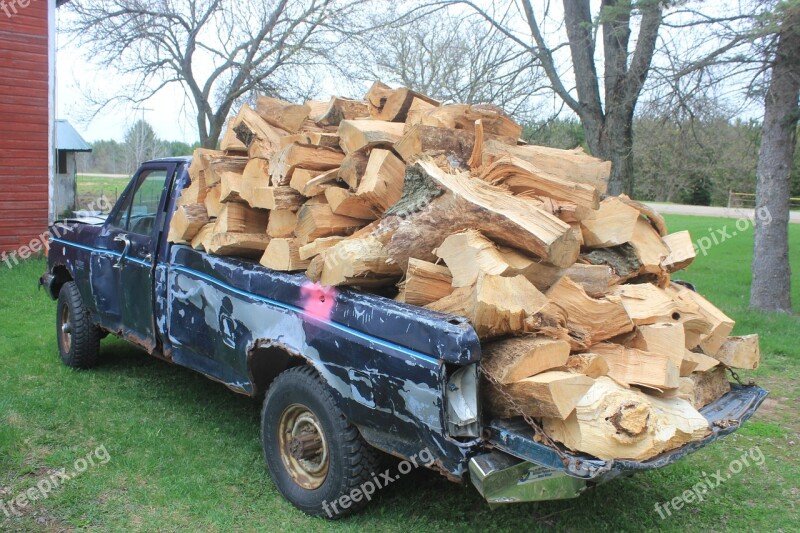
x: 26, y: 120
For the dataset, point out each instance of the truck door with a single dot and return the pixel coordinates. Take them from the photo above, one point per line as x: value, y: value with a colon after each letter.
x: 134, y: 230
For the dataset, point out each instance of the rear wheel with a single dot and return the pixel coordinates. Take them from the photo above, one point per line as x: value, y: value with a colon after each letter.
x: 314, y: 456
x: 78, y: 338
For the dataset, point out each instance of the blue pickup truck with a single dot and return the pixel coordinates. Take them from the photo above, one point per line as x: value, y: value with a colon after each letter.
x: 340, y: 389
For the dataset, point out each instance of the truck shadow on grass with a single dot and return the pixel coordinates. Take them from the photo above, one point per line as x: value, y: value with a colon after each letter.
x: 422, y: 497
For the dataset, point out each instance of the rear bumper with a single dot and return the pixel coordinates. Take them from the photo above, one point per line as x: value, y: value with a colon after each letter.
x: 519, y: 463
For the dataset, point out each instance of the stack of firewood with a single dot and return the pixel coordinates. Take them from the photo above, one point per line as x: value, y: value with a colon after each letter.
x: 569, y: 290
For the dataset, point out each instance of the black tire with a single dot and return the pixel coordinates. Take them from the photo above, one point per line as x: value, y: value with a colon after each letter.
x: 78, y: 339
x: 351, y: 461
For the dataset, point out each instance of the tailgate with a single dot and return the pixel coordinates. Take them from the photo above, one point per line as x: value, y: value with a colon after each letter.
x: 724, y: 416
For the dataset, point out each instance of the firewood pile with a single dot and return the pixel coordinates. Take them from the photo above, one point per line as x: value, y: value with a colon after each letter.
x: 569, y: 290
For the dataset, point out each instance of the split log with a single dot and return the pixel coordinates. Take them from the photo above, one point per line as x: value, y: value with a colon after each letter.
x: 202, y: 240
x: 522, y: 177
x: 186, y: 222
x: 667, y: 339
x: 698, y: 362
x: 647, y: 304
x: 611, y: 225
x: 496, y: 306
x: 420, y: 139
x: 517, y: 358
x: 433, y: 198
x: 195, y: 193
x: 301, y: 177
x: 594, y: 279
x: 740, y: 352
x: 239, y: 218
x: 249, y: 245
x: 476, y: 157
x: 362, y: 262
x: 381, y: 183
x: 281, y: 223
x: 702, y: 388
x: 611, y: 422
x: 649, y: 248
x: 550, y: 394
x: 469, y: 253
x: 344, y: 202
x: 595, y: 319
x: 231, y: 143
x: 276, y: 198
x: 200, y: 160
x: 357, y: 134
x: 262, y: 139
x: 316, y: 186
x: 718, y: 324
x: 620, y: 259
x: 318, y: 220
x: 212, y: 201
x: 306, y: 156
x: 287, y: 116
x: 339, y: 109
x: 316, y: 247
x: 219, y: 165
x: 636, y: 367
x: 588, y: 364
x: 417, y: 108
x: 653, y: 217
x: 390, y: 104
x: 353, y: 167
x: 425, y: 283
x: 283, y: 255
x: 327, y: 140
x: 575, y: 164
x: 681, y: 251
x: 463, y: 117
x: 230, y: 187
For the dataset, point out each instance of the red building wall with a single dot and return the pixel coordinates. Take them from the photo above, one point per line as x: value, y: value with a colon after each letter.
x: 24, y: 123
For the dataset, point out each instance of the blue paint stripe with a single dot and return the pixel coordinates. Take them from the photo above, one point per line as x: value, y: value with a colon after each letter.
x: 100, y: 250
x: 288, y: 307
x: 299, y: 310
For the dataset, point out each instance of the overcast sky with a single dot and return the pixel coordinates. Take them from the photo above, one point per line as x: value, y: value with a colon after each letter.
x: 172, y: 115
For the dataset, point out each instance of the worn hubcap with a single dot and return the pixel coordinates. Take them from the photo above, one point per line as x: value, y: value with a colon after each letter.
x: 303, y: 448
x: 66, y: 330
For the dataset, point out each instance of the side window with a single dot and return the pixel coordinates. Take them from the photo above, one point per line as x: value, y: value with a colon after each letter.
x: 139, y: 216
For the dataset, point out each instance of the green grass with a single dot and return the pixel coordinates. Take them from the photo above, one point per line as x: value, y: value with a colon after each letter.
x: 185, y: 451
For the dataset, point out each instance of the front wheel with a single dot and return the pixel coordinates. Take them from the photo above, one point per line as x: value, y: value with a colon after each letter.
x: 78, y: 338
x: 317, y: 460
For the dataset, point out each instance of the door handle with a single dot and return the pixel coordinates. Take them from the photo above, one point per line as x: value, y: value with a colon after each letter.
x: 127, y: 241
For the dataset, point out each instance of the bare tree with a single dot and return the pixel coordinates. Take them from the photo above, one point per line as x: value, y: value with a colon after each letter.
x: 219, y: 51
x: 771, y: 286
x: 607, y: 118
x: 454, y: 59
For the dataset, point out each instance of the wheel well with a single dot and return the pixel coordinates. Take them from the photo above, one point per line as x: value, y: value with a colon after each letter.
x: 60, y: 276
x: 265, y: 362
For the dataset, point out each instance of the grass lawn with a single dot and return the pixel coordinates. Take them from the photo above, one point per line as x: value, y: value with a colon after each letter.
x: 185, y: 452
x: 90, y: 188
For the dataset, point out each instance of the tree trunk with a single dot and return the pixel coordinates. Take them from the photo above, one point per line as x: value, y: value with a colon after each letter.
x: 612, y: 140
x: 770, y: 289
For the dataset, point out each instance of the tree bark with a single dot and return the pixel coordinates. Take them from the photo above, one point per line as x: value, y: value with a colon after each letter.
x: 770, y: 289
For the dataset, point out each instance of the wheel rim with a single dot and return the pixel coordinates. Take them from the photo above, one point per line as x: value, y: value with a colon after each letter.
x: 65, y: 329
x: 303, y: 447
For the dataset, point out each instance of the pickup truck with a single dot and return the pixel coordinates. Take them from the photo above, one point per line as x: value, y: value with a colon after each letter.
x: 346, y: 377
